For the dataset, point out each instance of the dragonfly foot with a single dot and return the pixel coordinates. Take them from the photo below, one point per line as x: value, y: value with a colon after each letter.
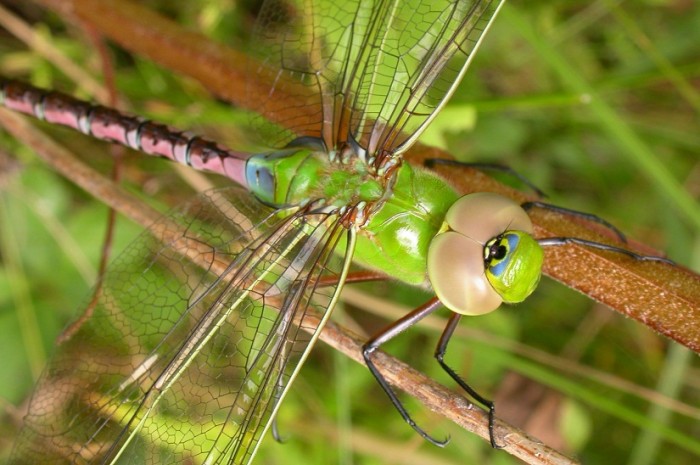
x: 483, y: 166
x: 426, y: 436
x: 567, y: 211
x: 276, y: 435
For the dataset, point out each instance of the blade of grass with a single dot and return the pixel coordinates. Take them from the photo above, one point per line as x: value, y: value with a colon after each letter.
x: 661, y: 62
x: 632, y: 147
x: 24, y: 309
x: 646, y: 447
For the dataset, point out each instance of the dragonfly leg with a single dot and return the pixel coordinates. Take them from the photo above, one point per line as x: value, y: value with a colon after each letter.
x: 274, y: 424
x: 549, y: 241
x: 440, y: 351
x: 482, y: 166
x: 354, y: 277
x: 276, y: 432
x: 567, y: 211
x: 387, y: 334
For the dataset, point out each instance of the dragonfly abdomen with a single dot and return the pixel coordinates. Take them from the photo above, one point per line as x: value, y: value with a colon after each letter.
x: 134, y: 132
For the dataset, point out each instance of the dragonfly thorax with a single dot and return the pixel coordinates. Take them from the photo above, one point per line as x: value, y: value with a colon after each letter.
x: 297, y: 176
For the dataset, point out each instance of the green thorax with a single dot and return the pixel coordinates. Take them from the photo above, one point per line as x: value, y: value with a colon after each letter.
x: 295, y: 176
x: 395, y: 239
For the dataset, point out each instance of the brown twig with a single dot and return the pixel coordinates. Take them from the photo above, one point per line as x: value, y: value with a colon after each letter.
x: 438, y: 398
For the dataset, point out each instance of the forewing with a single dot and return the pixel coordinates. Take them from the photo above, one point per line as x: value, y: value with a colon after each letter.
x: 194, y: 339
x: 375, y: 71
x: 305, y: 49
x: 415, y: 58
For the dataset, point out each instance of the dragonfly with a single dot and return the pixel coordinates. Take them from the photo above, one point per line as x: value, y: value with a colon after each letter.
x: 189, y: 360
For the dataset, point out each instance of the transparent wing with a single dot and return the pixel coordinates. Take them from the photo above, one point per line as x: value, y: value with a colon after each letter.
x: 376, y: 71
x: 200, y: 327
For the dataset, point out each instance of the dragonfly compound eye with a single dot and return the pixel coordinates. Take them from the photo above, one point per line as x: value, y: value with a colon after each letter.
x: 485, y: 256
x: 513, y: 265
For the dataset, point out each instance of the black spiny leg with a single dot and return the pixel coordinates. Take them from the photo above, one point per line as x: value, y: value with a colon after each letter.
x: 567, y: 211
x: 440, y: 356
x: 387, y: 334
x: 482, y: 166
x: 553, y: 241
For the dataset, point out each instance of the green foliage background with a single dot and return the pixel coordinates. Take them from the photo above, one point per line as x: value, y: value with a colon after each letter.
x: 529, y: 101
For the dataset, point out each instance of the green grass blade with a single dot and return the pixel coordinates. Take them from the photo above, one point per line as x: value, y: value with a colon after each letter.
x: 631, y: 145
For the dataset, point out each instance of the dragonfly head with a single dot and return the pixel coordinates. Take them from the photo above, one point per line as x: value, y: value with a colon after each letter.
x: 485, y: 255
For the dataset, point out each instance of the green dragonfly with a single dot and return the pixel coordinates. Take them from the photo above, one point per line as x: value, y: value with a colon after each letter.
x: 188, y: 360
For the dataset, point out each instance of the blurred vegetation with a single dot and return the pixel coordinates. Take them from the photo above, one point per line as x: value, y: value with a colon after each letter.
x: 518, y: 105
